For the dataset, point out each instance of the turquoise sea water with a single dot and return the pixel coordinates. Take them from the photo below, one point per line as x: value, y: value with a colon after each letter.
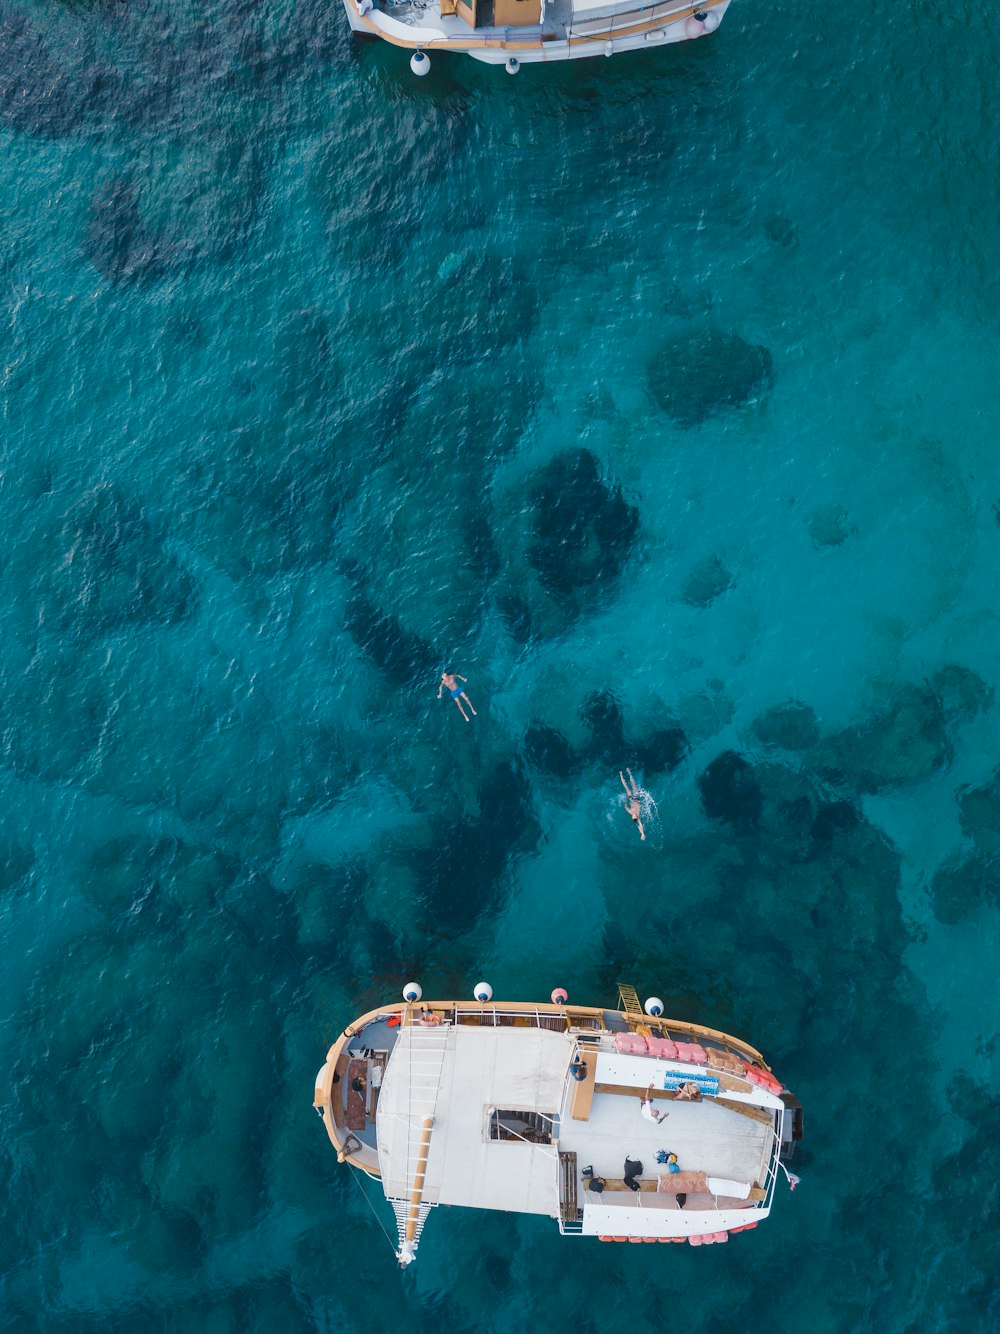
x: 656, y: 396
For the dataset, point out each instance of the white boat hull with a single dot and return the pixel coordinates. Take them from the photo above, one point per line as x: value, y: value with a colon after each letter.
x: 496, y: 46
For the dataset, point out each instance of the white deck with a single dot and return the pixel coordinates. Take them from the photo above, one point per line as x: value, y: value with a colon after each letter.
x: 705, y: 1136
x: 459, y: 1075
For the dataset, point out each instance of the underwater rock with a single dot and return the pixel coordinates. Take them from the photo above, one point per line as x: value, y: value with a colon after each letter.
x: 959, y: 891
x: 779, y: 229
x: 122, y: 873
x: 729, y: 791
x: 705, y: 373
x: 37, y: 95
x: 661, y: 751
x: 516, y: 616
x: 330, y: 908
x: 706, y: 581
x: 962, y: 693
x: 832, y: 818
x: 108, y: 568
x: 583, y: 527
x: 480, y: 547
x: 906, y: 743
x: 706, y: 713
x: 602, y: 712
x: 487, y: 306
x: 462, y: 874
x: 402, y: 655
x: 681, y: 305
x: 15, y: 863
x: 980, y: 814
x: 790, y: 726
x: 118, y: 242
x: 548, y: 750
x: 830, y: 526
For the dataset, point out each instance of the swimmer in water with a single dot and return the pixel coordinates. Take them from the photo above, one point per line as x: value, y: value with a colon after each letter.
x: 633, y: 803
x: 449, y: 682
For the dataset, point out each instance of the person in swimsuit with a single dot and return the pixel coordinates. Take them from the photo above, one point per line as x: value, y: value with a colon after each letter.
x: 449, y: 682
x: 633, y: 803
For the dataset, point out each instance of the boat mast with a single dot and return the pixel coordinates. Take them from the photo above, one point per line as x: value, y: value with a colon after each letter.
x: 416, y: 1214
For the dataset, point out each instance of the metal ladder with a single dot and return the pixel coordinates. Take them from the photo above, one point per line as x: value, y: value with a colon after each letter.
x: 628, y: 998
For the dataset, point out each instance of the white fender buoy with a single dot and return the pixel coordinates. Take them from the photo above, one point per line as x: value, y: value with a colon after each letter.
x: 483, y: 992
x: 365, y: 6
x: 654, y: 1006
x: 412, y: 992
x: 559, y: 996
x: 512, y: 65
x: 420, y: 64
x: 609, y: 48
x: 695, y: 25
x: 711, y: 20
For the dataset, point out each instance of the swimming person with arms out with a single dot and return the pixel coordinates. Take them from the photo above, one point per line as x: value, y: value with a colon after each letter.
x: 633, y: 802
x: 449, y: 682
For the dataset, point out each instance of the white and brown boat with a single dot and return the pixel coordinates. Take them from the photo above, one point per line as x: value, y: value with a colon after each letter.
x: 619, y: 1124
x: 516, y: 32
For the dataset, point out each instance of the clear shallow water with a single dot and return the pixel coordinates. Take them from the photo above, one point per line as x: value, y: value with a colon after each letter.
x: 298, y: 354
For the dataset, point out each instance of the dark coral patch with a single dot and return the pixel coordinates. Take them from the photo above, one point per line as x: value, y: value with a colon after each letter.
x: 705, y: 373
x: 118, y: 241
x: 402, y: 655
x: 835, y: 817
x: 462, y: 875
x: 109, y: 567
x: 583, y: 527
x: 548, y: 750
x: 38, y: 95
x: 661, y: 751
x: 730, y: 792
x: 790, y: 726
x: 959, y: 891
x: 980, y: 809
x: 602, y: 712
x: 902, y: 745
x: 706, y: 581
x: 962, y: 693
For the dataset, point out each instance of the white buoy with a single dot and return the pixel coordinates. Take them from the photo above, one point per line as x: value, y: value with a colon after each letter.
x: 609, y: 49
x: 512, y: 65
x: 711, y: 20
x: 412, y: 992
x: 483, y: 992
x: 420, y: 64
x: 559, y: 996
x: 654, y: 1006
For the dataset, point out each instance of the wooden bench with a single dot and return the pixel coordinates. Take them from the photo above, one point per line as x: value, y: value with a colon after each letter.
x: 583, y: 1089
x: 337, y: 1095
x: 357, y: 1103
